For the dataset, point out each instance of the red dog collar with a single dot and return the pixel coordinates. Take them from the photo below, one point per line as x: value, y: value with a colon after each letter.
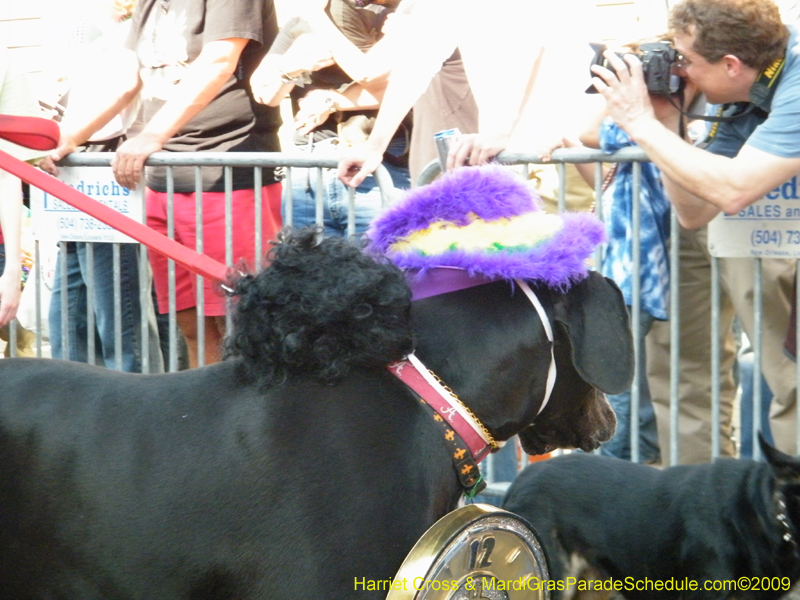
x: 460, y: 425
x: 413, y: 373
x: 466, y: 437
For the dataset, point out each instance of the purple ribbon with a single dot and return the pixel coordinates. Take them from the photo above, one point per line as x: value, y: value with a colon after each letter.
x: 441, y: 280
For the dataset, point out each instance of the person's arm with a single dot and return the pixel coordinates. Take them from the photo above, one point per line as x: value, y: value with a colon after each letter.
x: 513, y: 64
x: 369, y: 68
x: 92, y: 106
x: 701, y: 184
x: 405, y: 86
x: 10, y: 218
x: 16, y: 98
x: 408, y: 80
x: 588, y: 138
x: 202, y: 81
x: 499, y: 105
x: 698, y: 183
x: 275, y: 76
x: 319, y: 104
x: 356, y: 97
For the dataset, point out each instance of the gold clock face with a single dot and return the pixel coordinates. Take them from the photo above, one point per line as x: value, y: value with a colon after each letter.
x: 475, y: 552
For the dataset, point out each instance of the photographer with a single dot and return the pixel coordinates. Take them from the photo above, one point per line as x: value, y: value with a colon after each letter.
x: 731, y: 50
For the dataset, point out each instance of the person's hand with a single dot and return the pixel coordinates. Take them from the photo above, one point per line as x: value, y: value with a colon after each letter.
x: 546, y: 153
x: 129, y: 159
x: 307, y: 53
x: 10, y: 292
x: 475, y: 149
x: 625, y: 91
x: 66, y: 145
x: 358, y: 163
x: 314, y: 109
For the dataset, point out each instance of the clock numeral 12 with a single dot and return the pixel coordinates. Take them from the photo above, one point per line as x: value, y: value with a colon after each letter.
x: 479, y: 553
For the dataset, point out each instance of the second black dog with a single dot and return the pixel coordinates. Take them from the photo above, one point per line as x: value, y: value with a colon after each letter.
x: 601, y: 518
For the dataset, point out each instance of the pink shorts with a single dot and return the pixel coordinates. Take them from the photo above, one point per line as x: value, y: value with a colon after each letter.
x: 243, y: 239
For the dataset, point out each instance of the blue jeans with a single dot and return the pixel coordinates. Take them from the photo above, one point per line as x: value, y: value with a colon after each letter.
x: 103, y: 297
x: 368, y: 203
x: 746, y: 378
x: 620, y: 444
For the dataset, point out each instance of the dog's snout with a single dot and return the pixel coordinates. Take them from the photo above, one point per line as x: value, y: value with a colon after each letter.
x: 601, y: 423
x: 609, y: 421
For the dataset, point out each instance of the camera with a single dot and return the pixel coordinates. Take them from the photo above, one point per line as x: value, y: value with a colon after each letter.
x: 658, y: 60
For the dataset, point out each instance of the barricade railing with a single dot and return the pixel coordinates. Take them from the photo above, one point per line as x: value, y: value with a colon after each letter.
x: 560, y: 159
x: 255, y: 160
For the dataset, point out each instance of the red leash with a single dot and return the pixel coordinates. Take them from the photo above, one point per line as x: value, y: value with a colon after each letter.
x: 30, y: 132
x: 42, y: 134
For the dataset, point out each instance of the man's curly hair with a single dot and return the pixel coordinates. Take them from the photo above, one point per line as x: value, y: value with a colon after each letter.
x: 751, y: 30
x: 319, y: 310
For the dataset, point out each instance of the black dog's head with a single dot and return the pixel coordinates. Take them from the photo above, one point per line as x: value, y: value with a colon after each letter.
x: 318, y: 310
x: 593, y: 349
x: 489, y: 344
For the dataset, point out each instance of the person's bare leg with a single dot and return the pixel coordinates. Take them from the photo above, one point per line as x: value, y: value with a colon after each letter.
x: 187, y: 322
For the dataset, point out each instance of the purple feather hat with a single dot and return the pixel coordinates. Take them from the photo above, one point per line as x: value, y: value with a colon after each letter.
x: 488, y: 222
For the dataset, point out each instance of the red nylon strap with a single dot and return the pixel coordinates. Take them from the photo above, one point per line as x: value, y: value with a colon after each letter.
x: 186, y: 257
x: 444, y: 407
x: 30, y: 132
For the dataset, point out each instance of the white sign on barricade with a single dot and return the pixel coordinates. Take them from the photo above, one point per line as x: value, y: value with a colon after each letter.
x: 57, y: 220
x: 768, y: 228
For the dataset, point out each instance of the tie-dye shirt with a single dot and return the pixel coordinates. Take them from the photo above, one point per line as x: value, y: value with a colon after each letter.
x: 653, y: 233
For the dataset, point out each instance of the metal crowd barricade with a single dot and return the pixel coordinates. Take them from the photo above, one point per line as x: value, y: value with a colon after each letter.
x: 561, y: 158
x: 228, y: 161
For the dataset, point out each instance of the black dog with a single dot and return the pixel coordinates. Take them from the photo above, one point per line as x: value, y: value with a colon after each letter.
x: 300, y: 463
x: 602, y: 518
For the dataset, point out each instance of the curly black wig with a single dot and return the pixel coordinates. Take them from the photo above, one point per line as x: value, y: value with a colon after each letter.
x: 319, y: 310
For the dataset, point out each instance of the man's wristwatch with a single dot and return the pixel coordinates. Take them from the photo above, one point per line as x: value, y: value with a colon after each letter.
x: 301, y: 79
x: 330, y: 104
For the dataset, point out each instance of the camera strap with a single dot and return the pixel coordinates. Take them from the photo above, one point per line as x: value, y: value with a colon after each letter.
x: 725, y: 112
x: 761, y: 98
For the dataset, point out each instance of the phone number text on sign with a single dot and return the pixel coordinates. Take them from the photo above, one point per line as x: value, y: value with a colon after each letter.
x: 768, y: 228
x: 775, y: 237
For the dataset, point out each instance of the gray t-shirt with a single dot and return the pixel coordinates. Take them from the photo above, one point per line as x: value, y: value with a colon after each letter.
x: 776, y: 130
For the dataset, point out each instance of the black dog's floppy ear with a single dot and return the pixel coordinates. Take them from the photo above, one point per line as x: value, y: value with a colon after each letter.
x: 784, y: 466
x: 595, y: 317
